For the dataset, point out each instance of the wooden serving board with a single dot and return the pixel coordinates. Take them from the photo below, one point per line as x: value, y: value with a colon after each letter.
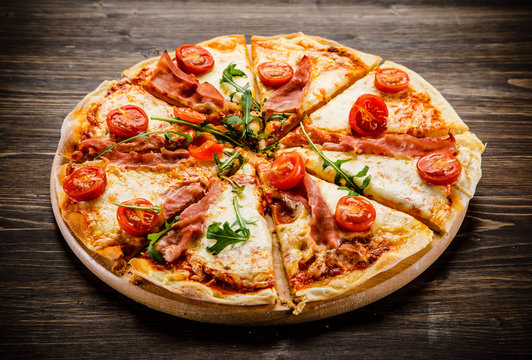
x: 277, y: 314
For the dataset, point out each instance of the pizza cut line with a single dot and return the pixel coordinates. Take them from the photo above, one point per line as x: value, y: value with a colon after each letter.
x: 188, y: 170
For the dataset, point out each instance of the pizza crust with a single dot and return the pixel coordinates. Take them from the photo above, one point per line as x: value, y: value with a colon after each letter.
x: 176, y: 283
x: 74, y: 121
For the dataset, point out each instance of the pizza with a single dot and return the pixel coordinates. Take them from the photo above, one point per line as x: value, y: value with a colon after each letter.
x: 234, y: 173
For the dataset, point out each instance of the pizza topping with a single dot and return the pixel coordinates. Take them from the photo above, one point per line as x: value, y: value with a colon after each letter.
x: 188, y: 114
x: 164, y: 159
x: 127, y: 121
x: 287, y: 171
x: 225, y: 235
x: 439, y: 168
x: 391, y: 80
x: 392, y: 145
x: 323, y: 228
x: 354, y: 213
x: 170, y: 83
x: 144, y: 136
x: 275, y: 73
x: 369, y: 115
x: 288, y: 97
x: 205, y: 147
x: 194, y: 59
x: 140, y: 218
x: 189, y: 226
x: 341, y: 178
x: 178, y: 198
x: 86, y: 183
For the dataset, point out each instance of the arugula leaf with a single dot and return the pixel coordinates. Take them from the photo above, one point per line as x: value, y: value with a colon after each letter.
x: 204, y: 127
x: 157, y: 209
x: 272, y: 147
x: 348, y: 180
x: 351, y: 192
x: 227, y: 77
x: 225, y: 234
x: 154, y: 254
x: 229, y: 163
x: 281, y: 117
x: 144, y: 135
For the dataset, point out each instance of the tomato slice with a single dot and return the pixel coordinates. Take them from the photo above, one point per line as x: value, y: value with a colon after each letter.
x: 86, y: 183
x: 188, y: 114
x: 137, y: 222
x: 275, y: 73
x: 203, y: 147
x: 287, y: 171
x: 439, y: 168
x: 391, y: 80
x: 369, y: 115
x: 127, y: 121
x: 194, y: 59
x: 354, y: 213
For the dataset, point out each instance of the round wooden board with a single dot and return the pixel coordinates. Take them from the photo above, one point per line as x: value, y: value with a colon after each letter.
x: 163, y: 300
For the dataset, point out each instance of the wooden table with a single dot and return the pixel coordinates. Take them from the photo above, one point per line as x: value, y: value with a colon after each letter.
x: 475, y: 301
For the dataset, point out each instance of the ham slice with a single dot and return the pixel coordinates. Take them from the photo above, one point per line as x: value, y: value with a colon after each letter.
x: 190, y: 225
x: 178, y: 198
x: 170, y: 83
x: 389, y: 145
x: 287, y: 98
x: 323, y: 228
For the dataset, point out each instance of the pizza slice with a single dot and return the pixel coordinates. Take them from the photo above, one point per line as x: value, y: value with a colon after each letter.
x: 390, y: 99
x: 201, y: 221
x: 219, y: 249
x: 192, y: 76
x: 297, y: 73
x: 431, y: 179
x: 331, y: 240
x: 117, y: 111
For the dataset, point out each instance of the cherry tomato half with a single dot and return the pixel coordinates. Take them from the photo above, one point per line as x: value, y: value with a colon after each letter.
x: 137, y: 222
x: 369, y: 115
x: 188, y: 114
x: 391, y: 80
x: 275, y: 73
x: 439, y: 168
x: 203, y: 147
x: 354, y: 213
x: 127, y: 121
x: 194, y: 59
x: 287, y: 170
x: 86, y: 183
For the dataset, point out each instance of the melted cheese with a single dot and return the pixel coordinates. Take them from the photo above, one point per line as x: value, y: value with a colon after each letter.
x: 419, y: 110
x: 250, y: 260
x: 226, y: 51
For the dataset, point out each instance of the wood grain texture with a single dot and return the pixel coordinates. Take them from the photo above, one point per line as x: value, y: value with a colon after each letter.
x: 474, y: 302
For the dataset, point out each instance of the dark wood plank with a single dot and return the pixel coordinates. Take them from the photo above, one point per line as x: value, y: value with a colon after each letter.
x: 474, y: 302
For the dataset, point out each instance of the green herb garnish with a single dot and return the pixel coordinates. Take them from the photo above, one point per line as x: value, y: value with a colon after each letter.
x: 227, y: 77
x: 144, y: 135
x: 156, y: 209
x: 230, y: 165
x: 349, y: 180
x: 226, y: 234
x: 154, y: 254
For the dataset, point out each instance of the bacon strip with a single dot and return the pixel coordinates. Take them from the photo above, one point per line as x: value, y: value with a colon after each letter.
x: 323, y: 228
x: 178, y: 198
x: 190, y: 225
x: 170, y: 83
x: 389, y: 145
x: 287, y: 98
